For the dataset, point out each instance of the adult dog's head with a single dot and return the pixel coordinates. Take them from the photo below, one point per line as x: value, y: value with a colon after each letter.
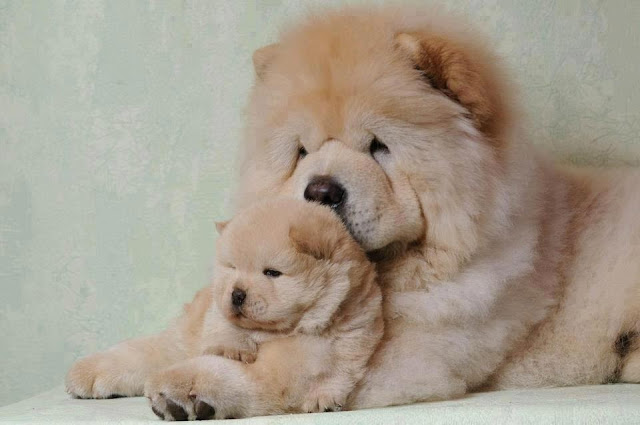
x: 396, y: 121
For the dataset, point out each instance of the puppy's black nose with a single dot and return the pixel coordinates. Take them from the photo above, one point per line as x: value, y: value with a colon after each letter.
x: 325, y: 190
x: 237, y: 297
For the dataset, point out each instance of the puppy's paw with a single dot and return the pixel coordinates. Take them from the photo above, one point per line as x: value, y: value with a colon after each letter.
x: 322, y: 401
x: 233, y: 353
x: 244, y: 356
x: 101, y: 376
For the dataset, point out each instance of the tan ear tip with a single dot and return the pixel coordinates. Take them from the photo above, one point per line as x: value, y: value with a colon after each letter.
x: 262, y: 57
x: 258, y: 58
x: 409, y: 43
x: 220, y: 226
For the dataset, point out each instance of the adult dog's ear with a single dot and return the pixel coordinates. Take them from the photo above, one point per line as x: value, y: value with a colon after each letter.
x: 460, y: 72
x: 263, y: 57
x: 220, y: 226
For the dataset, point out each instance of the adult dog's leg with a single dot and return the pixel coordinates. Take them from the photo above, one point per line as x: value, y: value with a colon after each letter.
x: 287, y: 377
x: 209, y: 387
x: 123, y: 369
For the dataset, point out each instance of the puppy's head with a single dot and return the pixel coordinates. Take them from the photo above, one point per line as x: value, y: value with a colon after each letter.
x: 285, y: 264
x: 395, y: 120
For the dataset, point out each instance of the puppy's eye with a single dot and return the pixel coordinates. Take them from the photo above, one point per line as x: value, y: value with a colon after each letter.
x: 377, y: 146
x: 271, y: 272
x: 302, y: 152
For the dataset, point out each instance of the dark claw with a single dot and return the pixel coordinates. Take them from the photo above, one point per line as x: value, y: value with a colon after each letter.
x: 158, y: 413
x: 204, y: 411
x: 115, y: 396
x: 176, y: 411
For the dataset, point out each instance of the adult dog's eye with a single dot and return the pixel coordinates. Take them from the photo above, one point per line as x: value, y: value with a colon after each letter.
x: 377, y: 146
x: 302, y: 152
x: 271, y: 272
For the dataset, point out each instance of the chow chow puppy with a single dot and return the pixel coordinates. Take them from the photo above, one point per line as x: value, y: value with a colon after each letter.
x: 294, y: 293
x: 499, y: 268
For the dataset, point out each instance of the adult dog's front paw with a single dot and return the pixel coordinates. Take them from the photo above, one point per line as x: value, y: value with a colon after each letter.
x: 101, y: 376
x: 322, y: 400
x: 193, y: 391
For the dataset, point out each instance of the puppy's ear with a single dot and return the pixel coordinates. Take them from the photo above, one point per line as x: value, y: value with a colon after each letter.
x: 313, y: 240
x: 462, y: 73
x: 322, y: 236
x: 221, y: 225
x: 263, y: 57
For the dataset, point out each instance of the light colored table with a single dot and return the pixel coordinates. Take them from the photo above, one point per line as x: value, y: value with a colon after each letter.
x: 604, y: 404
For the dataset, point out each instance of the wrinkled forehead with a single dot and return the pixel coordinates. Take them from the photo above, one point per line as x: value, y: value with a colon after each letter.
x: 333, y: 98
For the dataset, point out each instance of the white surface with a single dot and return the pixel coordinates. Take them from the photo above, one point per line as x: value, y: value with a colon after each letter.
x: 604, y: 404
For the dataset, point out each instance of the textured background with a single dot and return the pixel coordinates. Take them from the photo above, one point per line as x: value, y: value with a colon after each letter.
x: 118, y: 125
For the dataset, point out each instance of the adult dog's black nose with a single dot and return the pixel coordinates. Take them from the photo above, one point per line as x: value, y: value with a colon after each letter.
x: 237, y: 297
x: 325, y: 190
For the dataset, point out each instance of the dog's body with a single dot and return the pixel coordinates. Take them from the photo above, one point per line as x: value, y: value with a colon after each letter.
x: 537, y: 310
x: 499, y: 269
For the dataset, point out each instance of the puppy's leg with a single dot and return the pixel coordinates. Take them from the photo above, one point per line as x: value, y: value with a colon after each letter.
x: 343, y: 366
x: 121, y: 370
x: 232, y: 343
x: 245, y: 354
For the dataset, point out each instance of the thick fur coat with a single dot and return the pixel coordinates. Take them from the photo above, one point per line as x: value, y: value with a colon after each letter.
x: 499, y: 268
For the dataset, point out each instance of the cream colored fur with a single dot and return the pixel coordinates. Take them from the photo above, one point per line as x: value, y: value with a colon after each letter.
x: 499, y: 268
x: 302, y: 338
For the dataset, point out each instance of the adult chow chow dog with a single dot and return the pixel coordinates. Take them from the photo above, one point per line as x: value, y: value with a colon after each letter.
x: 499, y: 269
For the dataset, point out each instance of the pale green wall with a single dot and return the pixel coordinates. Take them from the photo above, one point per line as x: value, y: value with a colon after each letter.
x: 118, y: 125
